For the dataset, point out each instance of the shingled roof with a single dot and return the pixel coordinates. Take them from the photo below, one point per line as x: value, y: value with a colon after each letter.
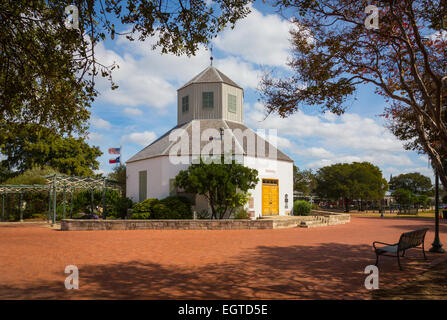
x: 211, y: 75
x: 162, y: 146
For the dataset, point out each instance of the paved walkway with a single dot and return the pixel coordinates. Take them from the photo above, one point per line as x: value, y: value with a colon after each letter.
x: 317, y: 263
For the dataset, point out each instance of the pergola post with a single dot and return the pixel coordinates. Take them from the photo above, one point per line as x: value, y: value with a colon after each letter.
x: 54, y: 199
x: 49, y: 206
x: 9, y: 207
x: 71, y: 204
x: 3, y: 207
x: 63, y: 204
x: 92, y: 201
x: 104, y: 215
x: 21, y: 206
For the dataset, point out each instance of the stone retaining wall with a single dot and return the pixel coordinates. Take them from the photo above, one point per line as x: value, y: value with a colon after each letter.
x: 84, y: 225
x: 290, y: 222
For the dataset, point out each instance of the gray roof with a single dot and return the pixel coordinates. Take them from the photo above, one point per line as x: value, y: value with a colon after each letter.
x: 162, y: 146
x: 211, y: 75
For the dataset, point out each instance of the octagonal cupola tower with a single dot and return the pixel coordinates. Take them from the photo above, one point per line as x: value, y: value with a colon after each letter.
x: 210, y: 95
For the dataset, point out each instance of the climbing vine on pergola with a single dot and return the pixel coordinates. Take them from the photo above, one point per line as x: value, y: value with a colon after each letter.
x: 60, y: 183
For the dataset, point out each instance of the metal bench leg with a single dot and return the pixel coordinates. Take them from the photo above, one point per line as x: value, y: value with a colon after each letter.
x: 423, y: 250
x: 398, y: 261
x: 377, y: 260
x: 403, y: 253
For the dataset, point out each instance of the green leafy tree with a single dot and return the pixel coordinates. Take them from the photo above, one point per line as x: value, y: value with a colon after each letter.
x: 403, y: 197
x: 303, y: 180
x: 28, y: 145
x: 119, y: 174
x: 225, y: 186
x: 415, y: 182
x: 350, y: 181
x: 36, y: 202
x: 404, y: 59
x: 48, y: 71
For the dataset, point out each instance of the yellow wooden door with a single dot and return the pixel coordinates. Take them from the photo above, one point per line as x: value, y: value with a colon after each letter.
x: 270, y: 197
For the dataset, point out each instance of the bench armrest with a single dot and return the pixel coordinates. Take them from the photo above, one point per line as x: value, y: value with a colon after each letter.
x: 384, y: 243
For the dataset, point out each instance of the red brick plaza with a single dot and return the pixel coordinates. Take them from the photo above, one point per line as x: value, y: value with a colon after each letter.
x: 297, y: 263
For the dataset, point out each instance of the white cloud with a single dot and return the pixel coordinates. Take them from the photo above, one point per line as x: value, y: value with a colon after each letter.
x: 132, y: 112
x: 314, y: 152
x: 284, y: 143
x: 259, y: 38
x: 239, y: 71
x: 426, y: 171
x: 145, y: 77
x: 350, y: 130
x: 100, y: 123
x: 326, y: 139
x: 140, y: 138
x: 94, y: 137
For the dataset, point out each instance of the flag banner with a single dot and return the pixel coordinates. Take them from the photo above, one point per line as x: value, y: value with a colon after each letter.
x: 114, y: 150
x: 116, y: 160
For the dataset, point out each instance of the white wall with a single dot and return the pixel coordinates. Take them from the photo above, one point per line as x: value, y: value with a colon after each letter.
x: 272, y: 169
x: 160, y: 170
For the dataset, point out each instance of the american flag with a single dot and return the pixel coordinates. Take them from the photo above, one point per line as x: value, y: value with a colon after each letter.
x: 114, y: 150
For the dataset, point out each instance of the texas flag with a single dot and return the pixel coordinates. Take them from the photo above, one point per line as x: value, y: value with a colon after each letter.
x: 114, y: 150
x: 116, y: 160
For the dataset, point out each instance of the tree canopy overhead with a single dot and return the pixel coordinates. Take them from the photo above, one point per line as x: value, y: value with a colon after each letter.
x: 405, y: 58
x: 47, y: 71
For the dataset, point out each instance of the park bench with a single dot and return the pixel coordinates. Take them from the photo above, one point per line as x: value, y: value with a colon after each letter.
x: 408, y: 240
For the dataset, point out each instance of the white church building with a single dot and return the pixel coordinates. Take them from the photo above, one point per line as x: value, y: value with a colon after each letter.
x: 209, y: 114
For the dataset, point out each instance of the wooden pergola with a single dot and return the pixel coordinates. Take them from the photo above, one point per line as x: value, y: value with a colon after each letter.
x: 60, y: 183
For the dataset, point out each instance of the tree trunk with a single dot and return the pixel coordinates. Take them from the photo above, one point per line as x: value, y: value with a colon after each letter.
x: 346, y: 200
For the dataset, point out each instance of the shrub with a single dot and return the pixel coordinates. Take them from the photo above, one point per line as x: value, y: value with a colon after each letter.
x: 315, y: 206
x: 241, y: 214
x: 178, y: 208
x: 119, y: 208
x: 301, y: 208
x: 161, y: 211
x: 140, y: 215
x: 168, y: 208
x: 144, y: 209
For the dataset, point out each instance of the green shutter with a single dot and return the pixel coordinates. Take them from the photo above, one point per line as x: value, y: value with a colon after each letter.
x: 172, y: 187
x: 232, y: 103
x: 208, y: 100
x: 185, y: 104
x: 142, y: 175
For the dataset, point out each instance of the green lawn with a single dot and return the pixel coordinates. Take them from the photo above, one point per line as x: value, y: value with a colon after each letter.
x: 427, y: 214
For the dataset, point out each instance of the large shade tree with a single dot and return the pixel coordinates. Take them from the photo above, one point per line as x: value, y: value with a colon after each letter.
x: 414, y: 182
x: 405, y: 59
x: 25, y: 146
x: 351, y: 181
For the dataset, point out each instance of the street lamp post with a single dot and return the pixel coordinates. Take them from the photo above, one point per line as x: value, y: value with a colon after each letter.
x: 437, y: 246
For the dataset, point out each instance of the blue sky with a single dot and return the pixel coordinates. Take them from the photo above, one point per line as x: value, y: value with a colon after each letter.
x: 144, y: 106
